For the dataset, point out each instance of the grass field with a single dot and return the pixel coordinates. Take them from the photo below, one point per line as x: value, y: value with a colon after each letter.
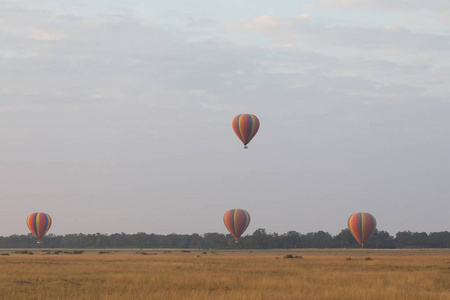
x: 310, y: 274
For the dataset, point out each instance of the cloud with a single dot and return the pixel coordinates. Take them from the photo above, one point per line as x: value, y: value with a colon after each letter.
x: 7, y: 109
x: 120, y: 58
x: 384, y: 5
x: 372, y: 62
x: 405, y: 14
x: 305, y: 32
x: 42, y: 35
x: 117, y: 58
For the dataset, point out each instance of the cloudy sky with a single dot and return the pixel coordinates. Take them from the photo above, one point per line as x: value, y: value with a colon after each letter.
x: 115, y: 116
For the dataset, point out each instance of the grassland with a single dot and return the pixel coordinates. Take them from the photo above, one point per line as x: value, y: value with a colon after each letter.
x: 310, y: 274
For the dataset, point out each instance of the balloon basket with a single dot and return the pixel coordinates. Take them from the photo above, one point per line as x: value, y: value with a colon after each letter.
x: 245, y: 147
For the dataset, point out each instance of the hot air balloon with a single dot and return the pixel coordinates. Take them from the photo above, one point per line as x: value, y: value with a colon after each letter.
x: 39, y: 224
x: 362, y: 226
x: 245, y: 126
x: 236, y: 221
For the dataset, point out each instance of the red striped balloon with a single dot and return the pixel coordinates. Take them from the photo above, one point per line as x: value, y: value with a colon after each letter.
x: 245, y: 126
x: 39, y: 224
x: 236, y: 221
x: 362, y: 226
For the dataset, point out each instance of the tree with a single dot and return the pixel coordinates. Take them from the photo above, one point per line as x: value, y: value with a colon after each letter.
x: 291, y: 239
x: 402, y: 239
x: 260, y: 239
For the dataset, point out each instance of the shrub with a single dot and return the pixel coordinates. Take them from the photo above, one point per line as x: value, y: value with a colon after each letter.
x: 291, y: 256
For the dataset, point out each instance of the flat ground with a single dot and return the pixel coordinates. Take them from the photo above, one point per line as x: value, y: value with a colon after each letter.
x: 174, y: 274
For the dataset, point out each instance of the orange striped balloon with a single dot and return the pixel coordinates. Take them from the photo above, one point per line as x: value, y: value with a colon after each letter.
x: 39, y: 224
x: 362, y: 226
x: 245, y: 126
x: 236, y: 221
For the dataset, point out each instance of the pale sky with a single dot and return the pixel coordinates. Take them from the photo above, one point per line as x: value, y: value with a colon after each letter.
x: 116, y: 116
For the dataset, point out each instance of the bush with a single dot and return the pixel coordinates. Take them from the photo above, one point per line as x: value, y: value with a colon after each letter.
x: 291, y: 256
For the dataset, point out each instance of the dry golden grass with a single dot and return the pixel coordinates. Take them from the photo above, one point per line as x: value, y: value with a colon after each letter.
x: 318, y: 274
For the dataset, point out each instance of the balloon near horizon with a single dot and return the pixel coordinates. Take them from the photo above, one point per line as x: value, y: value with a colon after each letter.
x: 39, y: 223
x: 362, y: 226
x: 245, y: 126
x: 236, y: 221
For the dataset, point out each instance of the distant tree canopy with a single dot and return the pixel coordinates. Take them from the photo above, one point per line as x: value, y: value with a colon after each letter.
x: 260, y: 239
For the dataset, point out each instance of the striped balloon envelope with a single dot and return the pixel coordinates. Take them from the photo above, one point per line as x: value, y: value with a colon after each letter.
x: 245, y: 126
x: 39, y: 224
x: 236, y: 221
x: 362, y: 226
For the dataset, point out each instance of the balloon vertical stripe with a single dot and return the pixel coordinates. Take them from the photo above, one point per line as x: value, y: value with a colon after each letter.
x: 245, y: 126
x: 362, y: 226
x: 236, y: 221
x: 236, y: 128
x: 39, y: 224
x: 361, y: 223
x: 254, y: 127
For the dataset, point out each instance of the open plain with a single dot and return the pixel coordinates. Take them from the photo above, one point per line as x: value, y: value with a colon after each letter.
x: 198, y: 274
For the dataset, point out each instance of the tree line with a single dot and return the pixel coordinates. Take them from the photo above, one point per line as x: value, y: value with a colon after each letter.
x: 260, y: 239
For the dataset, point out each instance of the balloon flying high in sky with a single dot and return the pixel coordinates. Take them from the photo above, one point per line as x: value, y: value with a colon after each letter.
x: 245, y: 126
